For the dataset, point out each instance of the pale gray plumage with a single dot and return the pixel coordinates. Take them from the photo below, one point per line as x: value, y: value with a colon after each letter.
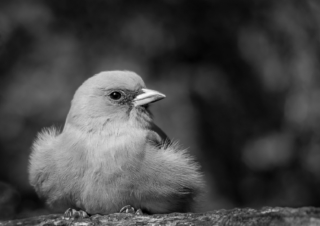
x: 110, y: 154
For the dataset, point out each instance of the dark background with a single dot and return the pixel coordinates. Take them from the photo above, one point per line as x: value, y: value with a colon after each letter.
x: 241, y: 79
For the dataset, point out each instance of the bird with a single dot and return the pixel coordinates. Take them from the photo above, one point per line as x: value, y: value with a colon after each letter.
x: 110, y: 154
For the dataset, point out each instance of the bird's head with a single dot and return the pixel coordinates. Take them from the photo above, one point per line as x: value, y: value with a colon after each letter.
x: 113, y: 96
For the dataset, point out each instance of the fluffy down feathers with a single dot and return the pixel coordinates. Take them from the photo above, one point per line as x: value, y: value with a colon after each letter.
x: 109, y: 156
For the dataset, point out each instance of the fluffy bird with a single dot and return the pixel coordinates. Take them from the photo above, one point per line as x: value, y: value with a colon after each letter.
x: 110, y: 154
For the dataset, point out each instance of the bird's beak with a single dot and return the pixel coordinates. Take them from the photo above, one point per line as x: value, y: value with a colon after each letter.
x: 147, y: 96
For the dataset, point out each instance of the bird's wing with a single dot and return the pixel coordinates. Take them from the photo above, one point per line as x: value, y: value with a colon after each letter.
x: 172, y: 179
x: 157, y: 137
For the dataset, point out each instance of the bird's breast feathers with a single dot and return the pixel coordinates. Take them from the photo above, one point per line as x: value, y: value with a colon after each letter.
x: 121, y: 145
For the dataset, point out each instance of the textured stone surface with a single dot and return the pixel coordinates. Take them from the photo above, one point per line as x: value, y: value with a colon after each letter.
x: 264, y: 216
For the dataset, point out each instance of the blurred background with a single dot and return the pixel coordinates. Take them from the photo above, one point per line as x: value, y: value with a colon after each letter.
x: 241, y: 78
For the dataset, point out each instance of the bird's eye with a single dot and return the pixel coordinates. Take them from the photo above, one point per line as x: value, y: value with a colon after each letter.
x: 115, y: 95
